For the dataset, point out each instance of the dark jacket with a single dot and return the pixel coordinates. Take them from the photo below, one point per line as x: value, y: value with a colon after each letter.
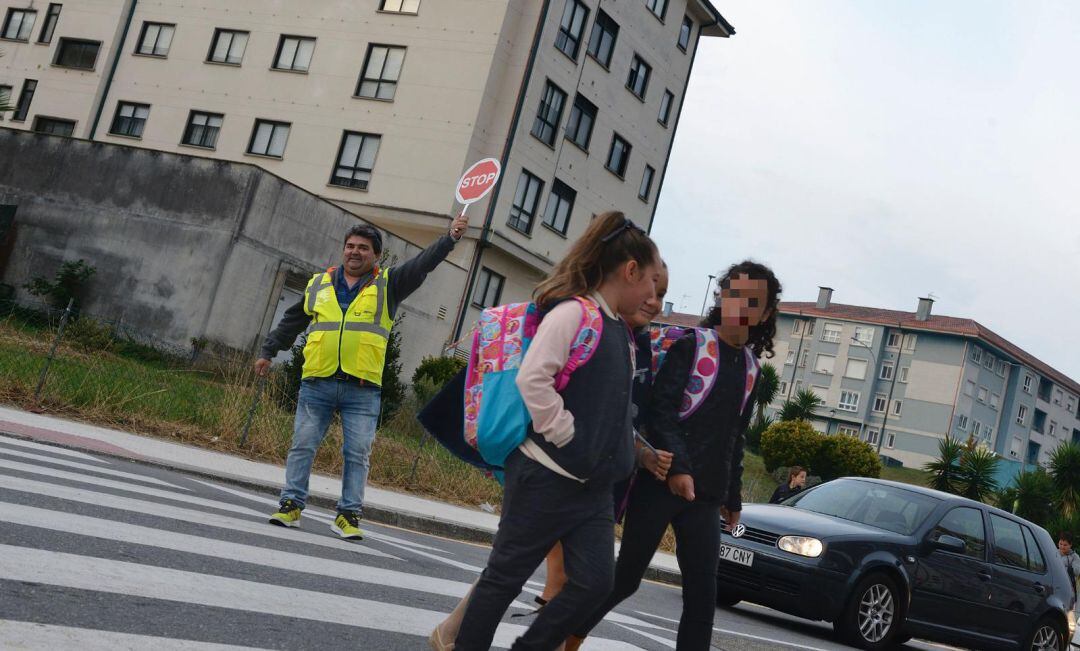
x: 782, y: 492
x: 402, y: 280
x: 709, y: 444
x: 643, y: 379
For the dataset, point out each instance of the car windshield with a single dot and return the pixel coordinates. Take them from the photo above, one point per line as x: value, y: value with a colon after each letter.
x: 886, y: 507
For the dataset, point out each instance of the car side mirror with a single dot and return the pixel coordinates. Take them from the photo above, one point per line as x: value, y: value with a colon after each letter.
x: 950, y: 544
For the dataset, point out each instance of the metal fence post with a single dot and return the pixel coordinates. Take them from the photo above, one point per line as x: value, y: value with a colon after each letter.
x: 52, y: 351
x: 251, y: 412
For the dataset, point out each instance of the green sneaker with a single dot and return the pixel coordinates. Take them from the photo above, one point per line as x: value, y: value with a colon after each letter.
x: 347, y: 525
x: 288, y: 515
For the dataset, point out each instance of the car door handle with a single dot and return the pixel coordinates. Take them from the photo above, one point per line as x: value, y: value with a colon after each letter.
x: 1040, y: 588
x: 985, y: 576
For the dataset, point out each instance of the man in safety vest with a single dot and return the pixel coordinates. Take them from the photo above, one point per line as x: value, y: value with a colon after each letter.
x: 348, y: 312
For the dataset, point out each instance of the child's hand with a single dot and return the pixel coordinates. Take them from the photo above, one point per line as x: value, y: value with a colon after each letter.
x: 682, y: 485
x: 730, y: 517
x: 658, y: 464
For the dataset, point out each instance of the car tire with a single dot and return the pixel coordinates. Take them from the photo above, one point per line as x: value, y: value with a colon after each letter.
x: 872, y: 617
x: 1046, y: 635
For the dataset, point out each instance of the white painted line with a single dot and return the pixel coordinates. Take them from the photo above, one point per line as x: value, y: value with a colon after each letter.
x: 9, y: 440
x: 769, y: 640
x: 655, y: 638
x: 150, y: 582
x: 213, y: 520
x: 28, y: 635
x: 90, y: 468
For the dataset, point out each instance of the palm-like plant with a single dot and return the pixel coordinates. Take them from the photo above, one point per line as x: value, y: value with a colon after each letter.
x: 1065, y: 473
x: 802, y: 407
x: 978, y: 469
x: 945, y: 470
x: 1031, y: 496
x: 768, y: 385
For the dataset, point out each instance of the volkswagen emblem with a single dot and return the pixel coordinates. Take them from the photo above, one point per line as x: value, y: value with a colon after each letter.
x: 738, y: 530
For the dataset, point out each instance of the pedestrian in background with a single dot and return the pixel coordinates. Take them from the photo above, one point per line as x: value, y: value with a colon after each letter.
x: 794, y: 485
x: 348, y: 312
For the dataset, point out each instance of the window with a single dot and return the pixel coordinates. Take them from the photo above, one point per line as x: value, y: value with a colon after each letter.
x: 890, y: 440
x: 894, y: 340
x: 879, y: 403
x: 130, y: 119
x: 684, y: 33
x: 976, y: 354
x: 268, y: 138
x: 872, y: 436
x: 831, y: 333
x: 1058, y: 396
x: 1036, y: 560
x: 1021, y: 415
x: 988, y: 432
x: 962, y: 422
x: 526, y: 198
x: 864, y: 335
x: 618, y: 156
x: 982, y: 395
x: 887, y: 369
x: 909, y: 342
x: 856, y: 368
x: 549, y: 114
x: 796, y: 327
x: 5, y: 96
x: 820, y: 392
x: 1027, y: 383
x: 976, y: 427
x: 782, y: 392
x: 897, y: 406
x: 572, y: 25
x: 76, y: 53
x: 559, y: 206
x: 995, y: 400
x: 294, y: 53
x: 809, y: 328
x: 579, y: 126
x: 605, y: 32
x: 1053, y: 429
x: 988, y: 361
x: 155, y: 39
x: 381, y: 72
x: 847, y: 430
x: 646, y: 183
x: 805, y: 356
x: 228, y: 47
x: 638, y: 79
x: 665, y: 107
x: 1017, y: 446
x: 356, y: 160
x: 1009, y: 547
x: 849, y: 400
x: 18, y: 24
x: 965, y: 523
x: 798, y: 386
x: 903, y: 374
x: 824, y: 364
x: 1000, y: 368
x: 969, y: 388
x: 790, y: 357
x: 54, y: 126
x: 26, y: 96
x: 400, y: 6
x: 52, y: 16
x: 202, y: 129
x: 489, y: 286
x: 658, y: 7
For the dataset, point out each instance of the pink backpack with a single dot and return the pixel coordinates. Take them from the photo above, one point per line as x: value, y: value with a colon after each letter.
x: 703, y: 371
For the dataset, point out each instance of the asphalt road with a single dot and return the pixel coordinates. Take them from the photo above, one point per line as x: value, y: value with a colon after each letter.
x: 97, y: 553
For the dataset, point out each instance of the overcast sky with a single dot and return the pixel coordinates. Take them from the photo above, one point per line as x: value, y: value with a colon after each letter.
x: 889, y: 149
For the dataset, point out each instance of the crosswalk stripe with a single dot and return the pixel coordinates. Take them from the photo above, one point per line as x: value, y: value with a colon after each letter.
x: 133, y: 579
x: 89, y: 468
x: 108, y: 500
x: 30, y: 635
x: 121, y: 531
x: 23, y: 443
x: 132, y: 488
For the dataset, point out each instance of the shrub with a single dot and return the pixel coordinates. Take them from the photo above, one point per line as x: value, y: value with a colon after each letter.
x: 68, y: 283
x: 439, y: 370
x: 89, y: 335
x: 393, y: 389
x: 845, y: 456
x: 754, y: 432
x: 789, y: 443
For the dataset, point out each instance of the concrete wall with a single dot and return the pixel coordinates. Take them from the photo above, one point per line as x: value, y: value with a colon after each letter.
x: 185, y: 246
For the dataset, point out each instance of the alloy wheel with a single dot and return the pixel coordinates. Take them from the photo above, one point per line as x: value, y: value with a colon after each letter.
x: 877, y: 611
x: 1046, y: 639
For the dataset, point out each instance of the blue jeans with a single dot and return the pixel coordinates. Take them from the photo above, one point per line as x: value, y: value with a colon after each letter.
x: 359, y: 408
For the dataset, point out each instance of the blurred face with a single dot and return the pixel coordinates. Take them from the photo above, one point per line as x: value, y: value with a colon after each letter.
x: 1065, y: 547
x: 743, y: 305
x: 358, y: 257
x: 651, y: 307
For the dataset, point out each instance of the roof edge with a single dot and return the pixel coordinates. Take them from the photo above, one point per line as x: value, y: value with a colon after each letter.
x: 720, y: 26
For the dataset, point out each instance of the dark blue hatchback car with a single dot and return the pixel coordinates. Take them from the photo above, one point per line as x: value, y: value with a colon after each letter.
x: 885, y: 562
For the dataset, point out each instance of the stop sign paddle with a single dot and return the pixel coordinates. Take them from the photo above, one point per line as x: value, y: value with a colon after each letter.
x: 477, y: 181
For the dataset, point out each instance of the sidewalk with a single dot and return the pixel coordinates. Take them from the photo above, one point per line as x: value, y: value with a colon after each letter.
x: 380, y: 505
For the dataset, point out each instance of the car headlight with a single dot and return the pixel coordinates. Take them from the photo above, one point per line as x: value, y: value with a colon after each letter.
x: 801, y: 545
x: 1071, y: 616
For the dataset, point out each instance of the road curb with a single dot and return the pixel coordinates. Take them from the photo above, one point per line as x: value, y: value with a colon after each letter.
x: 397, y: 518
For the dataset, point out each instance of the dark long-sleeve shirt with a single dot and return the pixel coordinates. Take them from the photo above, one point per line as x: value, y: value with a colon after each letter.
x: 402, y: 280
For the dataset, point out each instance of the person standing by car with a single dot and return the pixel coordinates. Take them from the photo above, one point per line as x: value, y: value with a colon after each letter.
x: 796, y: 481
x: 348, y: 312
x: 1069, y: 557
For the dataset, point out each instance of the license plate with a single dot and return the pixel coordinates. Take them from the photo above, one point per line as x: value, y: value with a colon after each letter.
x: 736, y: 555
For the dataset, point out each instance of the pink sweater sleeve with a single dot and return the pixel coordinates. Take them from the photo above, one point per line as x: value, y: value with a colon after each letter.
x: 547, y: 356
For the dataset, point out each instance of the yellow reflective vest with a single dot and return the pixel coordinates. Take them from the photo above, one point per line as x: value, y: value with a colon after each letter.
x: 354, y: 341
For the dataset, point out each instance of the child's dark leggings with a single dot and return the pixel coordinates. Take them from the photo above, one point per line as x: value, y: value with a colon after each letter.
x: 697, y: 534
x: 541, y: 507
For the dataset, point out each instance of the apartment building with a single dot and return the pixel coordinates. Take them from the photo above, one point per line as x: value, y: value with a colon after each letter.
x: 379, y: 105
x: 903, y: 380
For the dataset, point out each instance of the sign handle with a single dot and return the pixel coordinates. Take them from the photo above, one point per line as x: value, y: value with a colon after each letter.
x: 465, y: 209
